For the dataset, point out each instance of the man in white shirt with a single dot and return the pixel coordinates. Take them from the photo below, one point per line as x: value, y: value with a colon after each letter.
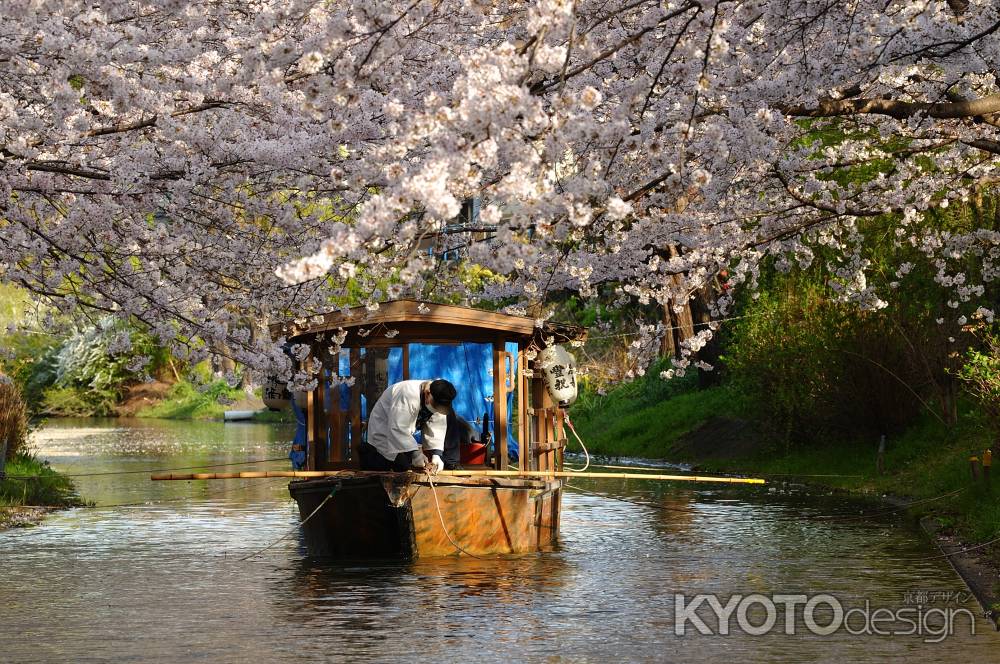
x: 406, y: 407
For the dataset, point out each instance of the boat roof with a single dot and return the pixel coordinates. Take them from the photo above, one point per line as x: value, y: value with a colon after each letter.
x: 421, y: 320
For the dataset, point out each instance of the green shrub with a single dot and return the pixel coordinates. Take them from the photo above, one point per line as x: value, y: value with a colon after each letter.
x: 981, y: 377
x: 73, y: 401
x: 814, y: 367
x: 33, y: 482
x: 623, y: 426
x: 87, y: 374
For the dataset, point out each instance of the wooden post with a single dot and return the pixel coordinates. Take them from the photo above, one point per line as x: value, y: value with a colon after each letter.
x: 523, y: 445
x: 311, y: 430
x: 500, y: 402
x: 559, y: 435
x: 335, y: 422
x: 318, y: 421
x: 356, y: 371
x: 540, y: 405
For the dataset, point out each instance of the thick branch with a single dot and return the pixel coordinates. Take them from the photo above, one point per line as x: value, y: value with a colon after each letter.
x: 985, y: 144
x: 122, y: 127
x: 896, y: 109
x: 65, y: 169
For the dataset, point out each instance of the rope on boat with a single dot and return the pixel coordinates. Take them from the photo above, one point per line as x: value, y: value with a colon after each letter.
x: 585, y: 452
x: 296, y: 527
x: 437, y: 505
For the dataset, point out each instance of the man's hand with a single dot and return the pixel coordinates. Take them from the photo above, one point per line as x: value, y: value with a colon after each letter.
x: 418, y: 461
x: 435, y: 466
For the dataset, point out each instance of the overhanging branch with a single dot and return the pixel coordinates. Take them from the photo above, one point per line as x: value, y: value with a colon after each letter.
x: 897, y: 109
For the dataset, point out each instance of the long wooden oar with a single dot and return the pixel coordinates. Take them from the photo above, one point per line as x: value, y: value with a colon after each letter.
x: 543, y: 474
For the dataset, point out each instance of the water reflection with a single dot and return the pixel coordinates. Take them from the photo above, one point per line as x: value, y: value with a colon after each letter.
x: 158, y: 570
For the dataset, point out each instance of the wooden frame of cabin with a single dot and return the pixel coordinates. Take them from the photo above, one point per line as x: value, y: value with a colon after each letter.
x: 332, y: 431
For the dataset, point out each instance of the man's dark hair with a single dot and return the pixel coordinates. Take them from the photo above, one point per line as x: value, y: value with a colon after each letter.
x: 443, y: 392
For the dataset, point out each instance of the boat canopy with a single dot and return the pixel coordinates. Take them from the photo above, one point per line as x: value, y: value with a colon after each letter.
x: 425, y: 321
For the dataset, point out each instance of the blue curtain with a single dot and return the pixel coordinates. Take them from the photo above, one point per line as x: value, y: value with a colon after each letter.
x: 468, y: 366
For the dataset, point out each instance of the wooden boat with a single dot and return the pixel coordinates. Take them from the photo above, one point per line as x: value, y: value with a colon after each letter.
x: 410, y: 515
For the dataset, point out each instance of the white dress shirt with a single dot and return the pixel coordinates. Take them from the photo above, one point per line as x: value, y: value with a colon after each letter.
x: 393, y: 419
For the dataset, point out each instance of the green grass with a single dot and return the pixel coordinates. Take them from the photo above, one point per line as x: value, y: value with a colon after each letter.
x: 40, y: 485
x: 186, y: 402
x: 645, y: 418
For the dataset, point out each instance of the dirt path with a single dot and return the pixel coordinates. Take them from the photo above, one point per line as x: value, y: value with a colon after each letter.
x: 142, y: 395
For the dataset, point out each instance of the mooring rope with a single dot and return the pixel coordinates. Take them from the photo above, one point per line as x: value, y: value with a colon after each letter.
x: 585, y: 452
x: 444, y: 527
x: 294, y: 528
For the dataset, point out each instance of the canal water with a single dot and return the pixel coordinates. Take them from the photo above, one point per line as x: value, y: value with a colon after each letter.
x: 158, y: 572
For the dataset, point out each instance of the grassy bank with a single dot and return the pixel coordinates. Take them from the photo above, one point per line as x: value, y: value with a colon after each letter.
x: 184, y: 401
x: 32, y: 483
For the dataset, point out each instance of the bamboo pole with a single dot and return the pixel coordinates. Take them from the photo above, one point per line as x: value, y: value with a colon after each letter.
x: 541, y: 474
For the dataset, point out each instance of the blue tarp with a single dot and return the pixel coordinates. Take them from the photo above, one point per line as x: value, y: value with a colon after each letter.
x: 468, y: 366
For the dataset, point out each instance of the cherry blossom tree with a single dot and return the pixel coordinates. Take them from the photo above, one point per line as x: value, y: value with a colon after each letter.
x: 204, y: 168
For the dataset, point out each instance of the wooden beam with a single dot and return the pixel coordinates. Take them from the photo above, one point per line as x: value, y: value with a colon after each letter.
x: 335, y: 422
x: 355, y: 411
x: 560, y: 441
x: 538, y: 419
x: 319, y: 422
x: 402, y: 314
x: 264, y: 474
x: 500, y: 401
x: 542, y: 448
x: 526, y: 460
x: 499, y: 406
x: 311, y: 430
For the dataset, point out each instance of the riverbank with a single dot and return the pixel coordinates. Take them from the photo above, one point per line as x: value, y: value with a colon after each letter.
x: 22, y: 517
x: 30, y: 490
x: 183, y: 400
x: 924, y: 472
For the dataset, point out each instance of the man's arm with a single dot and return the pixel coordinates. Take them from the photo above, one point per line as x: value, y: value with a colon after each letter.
x: 434, y: 432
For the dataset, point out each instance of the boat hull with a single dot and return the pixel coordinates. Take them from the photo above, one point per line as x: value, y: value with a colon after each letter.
x: 396, y: 516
